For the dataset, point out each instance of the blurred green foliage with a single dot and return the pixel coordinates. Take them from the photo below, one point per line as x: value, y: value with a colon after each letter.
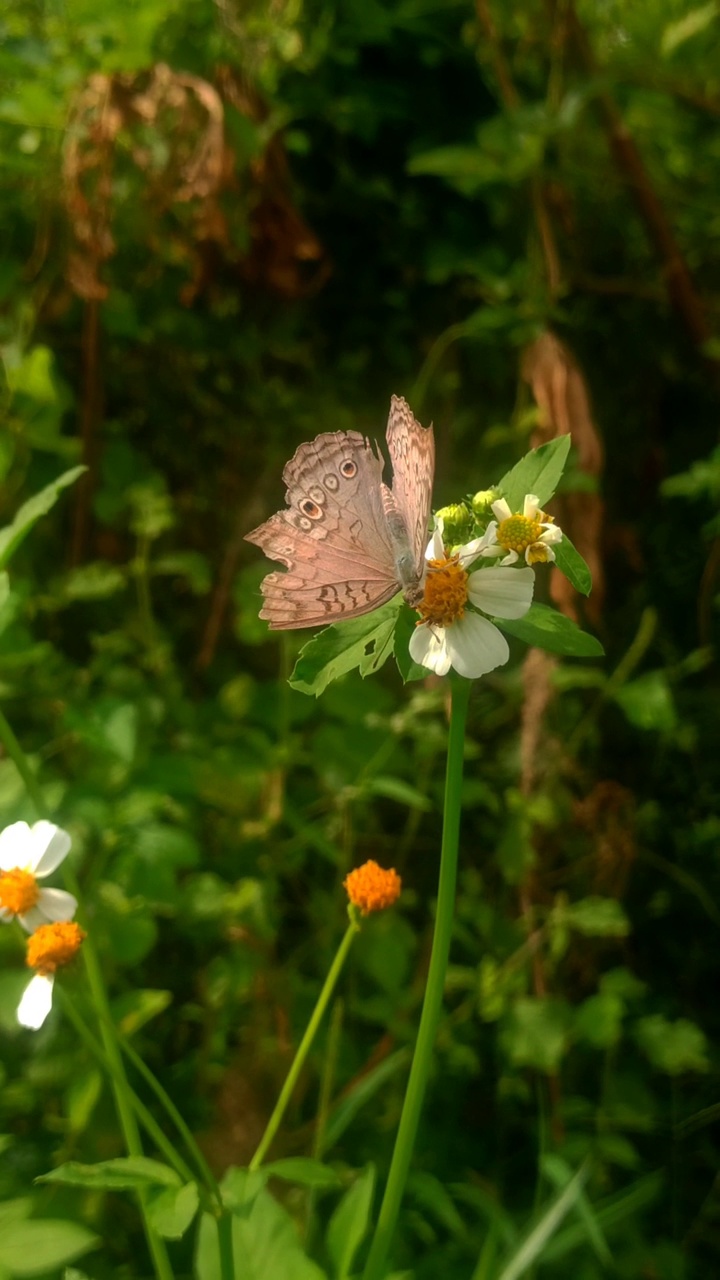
x: 181, y: 303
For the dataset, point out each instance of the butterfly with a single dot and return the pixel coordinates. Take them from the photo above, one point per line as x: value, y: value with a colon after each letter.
x: 349, y: 543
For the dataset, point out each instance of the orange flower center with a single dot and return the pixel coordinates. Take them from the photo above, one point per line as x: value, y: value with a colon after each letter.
x: 445, y: 593
x: 53, y: 945
x: 517, y: 533
x: 372, y: 888
x: 18, y: 891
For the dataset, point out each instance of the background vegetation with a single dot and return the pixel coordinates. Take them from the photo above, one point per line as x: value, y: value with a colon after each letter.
x: 227, y: 227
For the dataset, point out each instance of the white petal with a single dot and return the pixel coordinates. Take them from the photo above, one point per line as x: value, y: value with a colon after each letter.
x: 50, y: 844
x: 56, y: 904
x: 471, y: 551
x: 31, y: 919
x: 551, y: 534
x: 510, y: 558
x: 435, y: 549
x: 501, y: 509
x: 429, y: 648
x: 476, y: 646
x: 530, y: 506
x: 5, y: 915
x: 503, y: 593
x: 36, y: 1002
x: 15, y: 845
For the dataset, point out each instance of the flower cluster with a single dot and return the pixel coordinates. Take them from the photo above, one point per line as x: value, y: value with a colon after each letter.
x: 28, y: 854
x: 372, y: 888
x: 452, y: 630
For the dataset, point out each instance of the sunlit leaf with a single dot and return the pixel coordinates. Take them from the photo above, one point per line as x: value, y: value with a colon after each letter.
x: 538, y: 472
x: 547, y: 629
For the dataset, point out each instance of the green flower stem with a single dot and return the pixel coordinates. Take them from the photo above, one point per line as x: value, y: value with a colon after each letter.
x: 432, y: 1004
x: 309, y: 1036
x: 19, y: 759
x: 121, y: 1089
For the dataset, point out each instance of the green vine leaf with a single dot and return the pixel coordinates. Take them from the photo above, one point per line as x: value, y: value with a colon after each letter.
x: 365, y: 643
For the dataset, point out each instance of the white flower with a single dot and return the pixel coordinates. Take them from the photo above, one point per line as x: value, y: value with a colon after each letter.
x: 511, y: 535
x: 451, y: 635
x: 28, y: 854
x: 36, y: 1002
x: 48, y: 948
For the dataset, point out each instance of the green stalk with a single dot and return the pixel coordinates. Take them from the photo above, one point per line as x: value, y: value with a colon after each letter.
x: 144, y: 1115
x: 310, y: 1032
x: 173, y: 1113
x: 432, y: 1004
x: 121, y: 1089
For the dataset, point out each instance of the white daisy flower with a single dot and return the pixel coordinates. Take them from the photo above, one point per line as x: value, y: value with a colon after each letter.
x: 28, y: 854
x: 534, y: 533
x: 50, y: 946
x: 450, y: 634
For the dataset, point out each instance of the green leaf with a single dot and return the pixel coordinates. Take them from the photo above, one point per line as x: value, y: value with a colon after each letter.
x: 545, y: 628
x: 538, y: 472
x: 131, y: 1173
x: 364, y: 642
x: 404, y: 629
x: 33, y: 1247
x: 349, y: 1223
x: 570, y: 562
x: 598, y: 1020
x: 303, y: 1171
x: 265, y: 1245
x: 398, y: 789
x: 536, y: 1032
x: 596, y: 917
x: 172, y: 1210
x: 360, y: 1094
x: 648, y: 702
x: 673, y: 1047
x: 31, y: 511
x: 533, y: 1246
x: 691, y: 24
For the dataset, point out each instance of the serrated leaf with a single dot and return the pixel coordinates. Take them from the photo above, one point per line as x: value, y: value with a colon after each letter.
x: 349, y: 1223
x: 31, y: 511
x: 538, y: 472
x: 33, y: 1247
x: 364, y: 643
x: 570, y: 562
x: 547, y: 629
x: 131, y: 1173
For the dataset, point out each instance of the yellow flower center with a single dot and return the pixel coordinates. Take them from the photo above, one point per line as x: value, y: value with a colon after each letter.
x: 18, y: 891
x: 372, y: 888
x: 53, y: 945
x: 445, y: 593
x: 518, y: 532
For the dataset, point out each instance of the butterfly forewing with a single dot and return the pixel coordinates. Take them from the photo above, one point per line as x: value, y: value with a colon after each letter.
x: 412, y: 453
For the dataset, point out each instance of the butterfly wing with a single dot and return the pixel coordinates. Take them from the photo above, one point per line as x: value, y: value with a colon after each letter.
x: 332, y: 537
x: 412, y: 453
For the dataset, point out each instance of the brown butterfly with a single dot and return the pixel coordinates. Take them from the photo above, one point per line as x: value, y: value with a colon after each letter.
x: 348, y: 542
